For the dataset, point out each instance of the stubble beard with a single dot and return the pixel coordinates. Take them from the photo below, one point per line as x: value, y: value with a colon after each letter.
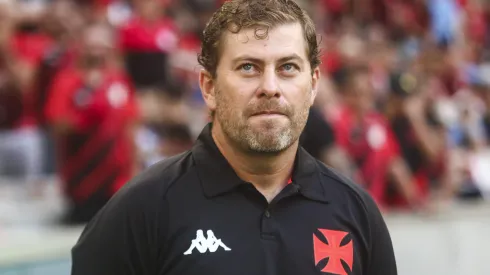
x: 273, y: 140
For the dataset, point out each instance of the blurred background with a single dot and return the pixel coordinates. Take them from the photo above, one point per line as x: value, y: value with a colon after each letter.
x: 94, y: 91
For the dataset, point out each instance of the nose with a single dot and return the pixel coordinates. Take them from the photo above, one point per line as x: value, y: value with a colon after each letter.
x: 269, y: 85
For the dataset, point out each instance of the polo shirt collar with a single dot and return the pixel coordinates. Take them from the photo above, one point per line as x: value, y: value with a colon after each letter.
x: 218, y: 177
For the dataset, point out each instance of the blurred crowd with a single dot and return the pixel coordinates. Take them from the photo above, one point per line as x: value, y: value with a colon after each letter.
x: 95, y: 91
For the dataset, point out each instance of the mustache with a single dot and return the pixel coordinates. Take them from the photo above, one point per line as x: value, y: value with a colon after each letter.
x: 269, y: 106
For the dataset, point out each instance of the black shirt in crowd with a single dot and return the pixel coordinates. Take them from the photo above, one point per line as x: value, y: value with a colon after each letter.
x: 486, y: 125
x: 318, y: 135
x: 192, y: 215
x: 409, y: 143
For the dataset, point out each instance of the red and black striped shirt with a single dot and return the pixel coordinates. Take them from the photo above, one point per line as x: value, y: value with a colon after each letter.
x: 96, y: 157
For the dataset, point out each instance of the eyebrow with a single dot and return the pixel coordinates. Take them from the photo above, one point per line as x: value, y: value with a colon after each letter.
x: 291, y: 57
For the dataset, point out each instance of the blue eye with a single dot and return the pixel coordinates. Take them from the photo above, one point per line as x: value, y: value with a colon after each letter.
x: 247, y: 67
x: 289, y: 67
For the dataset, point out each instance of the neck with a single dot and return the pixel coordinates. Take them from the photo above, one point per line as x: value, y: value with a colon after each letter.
x: 269, y: 173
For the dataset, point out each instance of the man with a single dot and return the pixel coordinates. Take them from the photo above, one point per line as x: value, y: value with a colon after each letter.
x: 62, y: 25
x: 366, y: 136
x: 419, y: 133
x: 20, y: 141
x: 269, y: 206
x: 92, y: 112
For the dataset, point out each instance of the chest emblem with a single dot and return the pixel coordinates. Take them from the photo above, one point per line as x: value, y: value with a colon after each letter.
x: 333, y: 250
x: 203, y: 244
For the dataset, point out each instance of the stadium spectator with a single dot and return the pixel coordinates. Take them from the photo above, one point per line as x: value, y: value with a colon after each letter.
x: 62, y: 26
x: 20, y: 140
x: 318, y: 139
x: 147, y: 40
x: 368, y: 139
x: 93, y: 113
x: 419, y: 133
x: 446, y: 42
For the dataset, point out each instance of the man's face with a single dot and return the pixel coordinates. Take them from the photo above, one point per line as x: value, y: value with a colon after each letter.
x: 98, y: 43
x: 263, y: 89
x: 360, y: 94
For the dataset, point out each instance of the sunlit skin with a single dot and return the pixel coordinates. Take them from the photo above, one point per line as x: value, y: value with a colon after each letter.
x: 261, y: 95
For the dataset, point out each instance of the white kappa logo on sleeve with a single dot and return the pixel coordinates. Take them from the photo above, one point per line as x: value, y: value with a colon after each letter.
x: 203, y: 244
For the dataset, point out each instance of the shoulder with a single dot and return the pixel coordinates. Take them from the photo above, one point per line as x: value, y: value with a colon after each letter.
x: 346, y: 191
x: 354, y: 203
x: 131, y: 228
x: 146, y: 193
x: 155, y: 181
x: 141, y: 203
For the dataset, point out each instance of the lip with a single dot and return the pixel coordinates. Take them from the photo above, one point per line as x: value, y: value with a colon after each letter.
x: 266, y: 113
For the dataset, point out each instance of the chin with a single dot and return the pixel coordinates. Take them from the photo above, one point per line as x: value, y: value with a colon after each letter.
x: 277, y: 124
x: 271, y: 148
x: 271, y: 141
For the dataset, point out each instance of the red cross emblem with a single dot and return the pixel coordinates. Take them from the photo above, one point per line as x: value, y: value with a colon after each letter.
x: 333, y: 251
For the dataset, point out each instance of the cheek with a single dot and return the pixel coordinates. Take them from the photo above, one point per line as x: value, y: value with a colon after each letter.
x: 297, y: 92
x: 235, y: 93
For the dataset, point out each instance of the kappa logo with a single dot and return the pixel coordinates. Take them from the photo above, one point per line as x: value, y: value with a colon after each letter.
x: 203, y: 244
x: 333, y: 251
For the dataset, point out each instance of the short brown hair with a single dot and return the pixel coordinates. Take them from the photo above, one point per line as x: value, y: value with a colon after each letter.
x: 263, y: 15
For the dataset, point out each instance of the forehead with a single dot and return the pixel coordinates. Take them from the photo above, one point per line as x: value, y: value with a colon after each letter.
x: 283, y: 40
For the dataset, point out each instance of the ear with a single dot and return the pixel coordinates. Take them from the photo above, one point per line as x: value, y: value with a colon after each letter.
x: 207, y: 85
x: 315, y: 84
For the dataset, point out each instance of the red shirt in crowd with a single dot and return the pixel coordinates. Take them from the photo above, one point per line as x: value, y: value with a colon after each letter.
x: 147, y: 46
x: 29, y: 48
x: 476, y: 24
x: 55, y: 59
x: 140, y: 35
x: 97, y: 156
x: 371, y: 145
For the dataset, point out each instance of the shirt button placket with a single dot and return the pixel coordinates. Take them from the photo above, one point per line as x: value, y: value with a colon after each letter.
x: 267, y: 213
x: 268, y: 227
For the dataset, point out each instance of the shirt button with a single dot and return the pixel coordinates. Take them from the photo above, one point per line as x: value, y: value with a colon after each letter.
x: 267, y: 214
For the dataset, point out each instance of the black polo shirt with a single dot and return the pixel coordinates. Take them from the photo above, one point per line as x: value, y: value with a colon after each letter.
x: 192, y: 215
